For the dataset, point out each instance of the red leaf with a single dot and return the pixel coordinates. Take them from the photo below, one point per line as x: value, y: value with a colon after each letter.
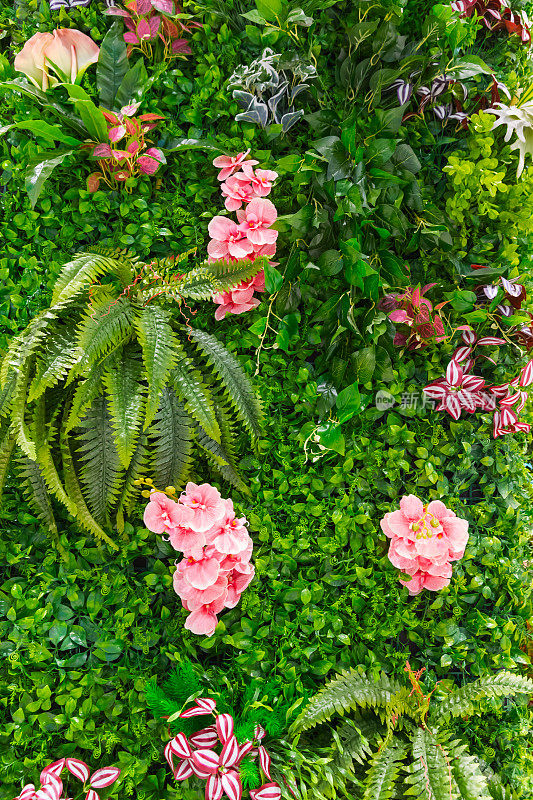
x: 230, y: 752
x: 183, y: 771
x: 264, y: 761
x: 205, y: 760
x: 180, y: 746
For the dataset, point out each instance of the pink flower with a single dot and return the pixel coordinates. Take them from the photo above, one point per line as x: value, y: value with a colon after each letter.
x: 206, y: 503
x: 65, y: 52
x: 231, y: 164
x: 241, y: 298
x: 187, y: 541
x: 424, y: 542
x: 203, y: 619
x: 162, y: 514
x: 260, y: 180
x: 199, y: 597
x: 227, y: 239
x: 229, y: 535
x: 256, y: 219
x: 237, y: 583
x: 200, y: 573
x: 236, y: 192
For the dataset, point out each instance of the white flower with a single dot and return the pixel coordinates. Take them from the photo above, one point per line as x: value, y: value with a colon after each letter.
x: 519, y: 120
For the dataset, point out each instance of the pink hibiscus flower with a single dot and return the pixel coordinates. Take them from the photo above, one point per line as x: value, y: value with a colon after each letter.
x: 227, y: 239
x: 203, y: 619
x: 231, y: 164
x: 229, y: 536
x: 200, y: 573
x: 162, y: 514
x: 206, y: 503
x: 255, y: 221
x: 261, y: 180
x: 240, y: 299
x: 236, y: 192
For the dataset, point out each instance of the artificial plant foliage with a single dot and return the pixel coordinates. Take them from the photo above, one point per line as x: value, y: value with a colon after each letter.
x: 109, y: 383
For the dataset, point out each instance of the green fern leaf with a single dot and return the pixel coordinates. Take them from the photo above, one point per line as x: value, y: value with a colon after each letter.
x: 129, y: 491
x: 18, y: 413
x: 158, y: 345
x: 104, y: 328
x: 125, y: 391
x: 101, y: 468
x: 86, y: 392
x: 345, y: 692
x: 7, y: 444
x: 384, y: 770
x: 171, y: 438
x: 355, y: 738
x: 464, y: 700
x: 6, y: 393
x: 53, y: 364
x: 471, y: 782
x: 83, y: 515
x: 430, y: 773
x: 202, y: 282
x: 232, y: 376
x: 34, y: 487
x: 43, y: 433
x: 23, y: 346
x: 127, y: 263
x: 190, y: 387
x: 81, y: 272
x: 221, y: 460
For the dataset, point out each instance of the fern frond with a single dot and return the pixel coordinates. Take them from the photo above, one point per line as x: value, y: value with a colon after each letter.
x: 82, y: 271
x: 7, y: 444
x: 6, y: 393
x: 34, y: 487
x: 126, y: 399
x: 384, y: 770
x: 100, y: 465
x: 43, y: 432
x: 59, y: 355
x: 128, y: 263
x: 355, y: 738
x: 136, y: 469
x: 464, y: 700
x: 159, y: 704
x: 345, y: 692
x: 233, y: 378
x: 470, y: 780
x: 86, y: 392
x: 430, y: 773
x: 221, y: 459
x: 171, y: 438
x: 105, y: 327
x: 158, y: 345
x: 190, y: 387
x: 23, y: 346
x: 182, y: 682
x: 83, y: 515
x: 18, y: 412
x: 202, y: 282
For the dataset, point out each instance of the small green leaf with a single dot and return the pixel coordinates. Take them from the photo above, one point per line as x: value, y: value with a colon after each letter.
x: 273, y: 279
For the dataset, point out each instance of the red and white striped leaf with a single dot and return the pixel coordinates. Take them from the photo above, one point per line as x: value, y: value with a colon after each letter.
x: 473, y: 383
x: 461, y: 353
x: 526, y: 375
x: 259, y: 731
x: 78, y: 768
x: 92, y: 795
x: 269, y: 791
x: 104, y: 777
x: 491, y: 340
x: 204, y: 705
x: 500, y: 391
x: 183, y: 771
x: 454, y: 373
x: 231, y: 784
x: 264, y: 761
x: 468, y: 336
x: 452, y: 406
x: 523, y: 401
x: 467, y: 400
x: 206, y: 760
x: 206, y: 738
x: 508, y: 417
x: 51, y: 790
x: 213, y: 788
x: 436, y: 391
x: 523, y: 426
x: 224, y: 726
x: 27, y: 792
x: 168, y: 756
x: 511, y: 399
x: 56, y: 768
x: 180, y: 746
x: 230, y: 752
x: 245, y: 749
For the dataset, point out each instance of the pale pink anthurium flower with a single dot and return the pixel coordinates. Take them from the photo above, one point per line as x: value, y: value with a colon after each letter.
x: 162, y: 514
x: 206, y: 503
x: 230, y: 164
x: 227, y: 239
x: 255, y: 221
x: 65, y: 53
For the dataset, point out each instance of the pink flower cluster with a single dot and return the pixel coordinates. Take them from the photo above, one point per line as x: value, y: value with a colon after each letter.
x: 460, y: 391
x: 425, y: 540
x: 51, y: 787
x: 220, y: 770
x: 216, y: 546
x: 244, y: 190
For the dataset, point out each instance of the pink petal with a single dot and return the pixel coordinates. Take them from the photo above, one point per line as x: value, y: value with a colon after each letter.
x: 205, y: 760
x: 411, y: 507
x: 224, y: 727
x: 78, y: 768
x: 104, y: 777
x: 231, y: 784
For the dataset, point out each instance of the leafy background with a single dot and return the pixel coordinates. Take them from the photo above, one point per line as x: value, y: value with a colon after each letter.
x: 80, y: 636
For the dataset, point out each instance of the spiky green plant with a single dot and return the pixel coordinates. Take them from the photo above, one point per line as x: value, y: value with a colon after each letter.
x: 112, y: 382
x: 405, y: 735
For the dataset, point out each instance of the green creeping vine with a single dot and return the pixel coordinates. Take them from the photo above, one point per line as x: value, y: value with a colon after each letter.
x: 416, y: 755
x: 108, y: 384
